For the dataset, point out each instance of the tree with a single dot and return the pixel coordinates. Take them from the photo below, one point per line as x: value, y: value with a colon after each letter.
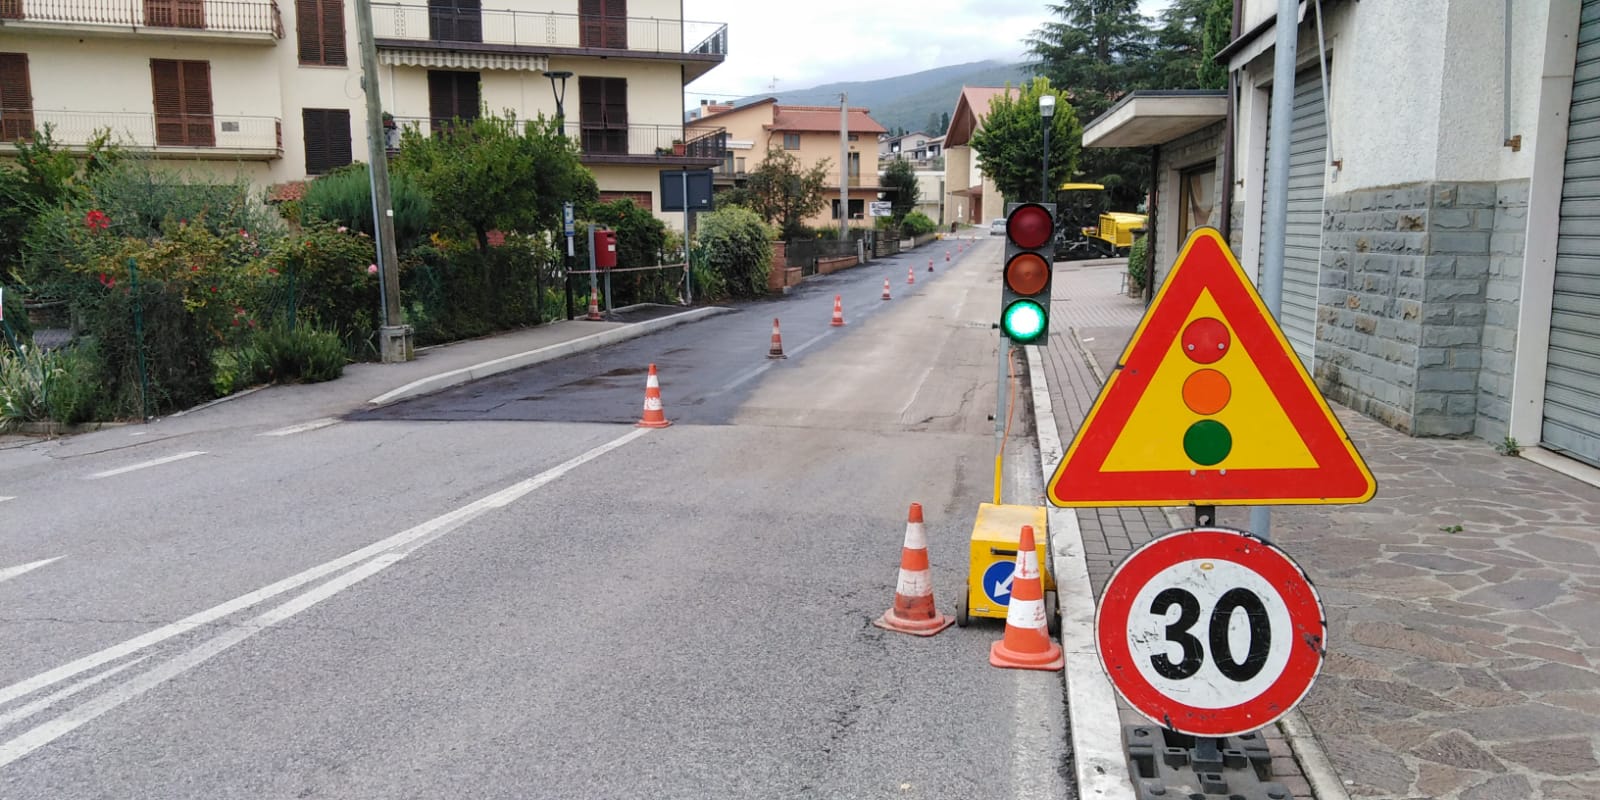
x: 901, y: 179
x: 1218, y: 30
x: 1098, y: 50
x: 1179, y: 52
x: 487, y: 174
x: 1011, y: 142
x: 781, y: 192
x: 933, y: 124
x: 944, y: 125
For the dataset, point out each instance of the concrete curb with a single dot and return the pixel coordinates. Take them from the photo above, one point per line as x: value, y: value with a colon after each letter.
x: 1094, y: 722
x: 456, y: 377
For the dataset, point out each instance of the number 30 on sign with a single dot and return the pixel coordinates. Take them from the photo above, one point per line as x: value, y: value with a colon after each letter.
x: 1211, y: 631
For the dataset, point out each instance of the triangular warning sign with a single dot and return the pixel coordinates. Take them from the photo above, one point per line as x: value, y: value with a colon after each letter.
x: 1210, y: 406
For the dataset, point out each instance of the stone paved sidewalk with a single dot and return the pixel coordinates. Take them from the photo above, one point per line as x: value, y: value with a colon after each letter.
x: 1463, y: 601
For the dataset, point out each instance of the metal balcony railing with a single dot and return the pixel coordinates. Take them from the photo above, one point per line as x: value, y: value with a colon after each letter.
x: 423, y: 23
x: 665, y: 141
x: 217, y: 16
x: 230, y: 133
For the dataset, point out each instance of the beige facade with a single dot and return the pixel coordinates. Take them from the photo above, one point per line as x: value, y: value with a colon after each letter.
x: 810, y: 134
x: 970, y: 197
x: 88, y: 67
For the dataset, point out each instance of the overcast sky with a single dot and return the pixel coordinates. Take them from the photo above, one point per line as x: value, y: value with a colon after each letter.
x: 813, y: 42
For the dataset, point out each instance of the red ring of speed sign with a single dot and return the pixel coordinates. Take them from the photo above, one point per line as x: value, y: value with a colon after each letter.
x: 1210, y: 631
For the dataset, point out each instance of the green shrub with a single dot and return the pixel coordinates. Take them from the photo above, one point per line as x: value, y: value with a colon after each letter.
x: 452, y: 290
x: 177, y: 349
x: 344, y: 197
x: 16, y: 317
x: 238, y: 368
x: 738, y: 253
x: 1139, y: 264
x: 304, y: 353
x: 918, y: 224
x: 324, y: 275
x: 22, y: 386
x: 63, y: 385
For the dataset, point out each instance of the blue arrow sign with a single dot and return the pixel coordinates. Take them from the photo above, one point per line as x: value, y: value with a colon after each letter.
x: 997, y: 581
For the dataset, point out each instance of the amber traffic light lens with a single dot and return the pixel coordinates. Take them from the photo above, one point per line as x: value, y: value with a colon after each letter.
x: 1027, y: 274
x: 1030, y: 226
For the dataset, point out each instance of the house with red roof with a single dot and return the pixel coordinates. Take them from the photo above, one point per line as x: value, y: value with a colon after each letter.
x: 970, y: 197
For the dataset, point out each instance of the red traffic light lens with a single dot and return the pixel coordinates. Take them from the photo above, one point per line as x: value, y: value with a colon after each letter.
x: 1027, y: 274
x: 1030, y: 226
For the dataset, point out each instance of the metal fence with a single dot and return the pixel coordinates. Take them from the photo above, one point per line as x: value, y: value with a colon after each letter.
x: 428, y: 22
x: 221, y: 16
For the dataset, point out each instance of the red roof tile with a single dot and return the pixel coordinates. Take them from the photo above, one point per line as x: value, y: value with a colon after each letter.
x: 823, y: 119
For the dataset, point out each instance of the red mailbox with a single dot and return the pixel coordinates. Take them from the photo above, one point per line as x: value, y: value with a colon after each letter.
x: 605, y: 248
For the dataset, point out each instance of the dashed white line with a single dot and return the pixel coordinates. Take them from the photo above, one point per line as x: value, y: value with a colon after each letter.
x: 12, y: 572
x: 3, y: 499
x: 25, y: 711
x: 154, y: 462
x: 302, y: 427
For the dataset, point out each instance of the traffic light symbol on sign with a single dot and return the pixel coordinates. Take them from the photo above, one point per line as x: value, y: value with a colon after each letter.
x: 1025, y: 288
x: 1206, y: 391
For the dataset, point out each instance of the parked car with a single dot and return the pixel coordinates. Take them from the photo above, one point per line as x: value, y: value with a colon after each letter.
x: 998, y: 227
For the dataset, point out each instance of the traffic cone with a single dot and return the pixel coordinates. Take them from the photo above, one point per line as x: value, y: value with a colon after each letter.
x: 594, y: 308
x: 838, y: 312
x: 1027, y: 643
x: 653, y: 417
x: 930, y: 265
x: 886, y: 289
x: 947, y: 256
x: 913, y: 610
x: 776, y: 350
x: 911, y: 275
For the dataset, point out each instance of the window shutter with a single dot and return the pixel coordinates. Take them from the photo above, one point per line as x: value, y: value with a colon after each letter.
x: 313, y: 121
x: 308, y: 31
x: 10, y: 9
x: 590, y: 28
x: 168, y: 91
x: 338, y: 133
x: 197, y: 103
x: 467, y: 95
x: 331, y: 30
x: 16, y: 98
x: 614, y: 18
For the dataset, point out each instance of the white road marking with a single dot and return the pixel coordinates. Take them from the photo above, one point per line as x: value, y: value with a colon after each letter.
x: 155, y: 462
x: 420, y: 534
x: 12, y: 572
x: 915, y: 390
x: 3, y: 499
x: 302, y: 427
x: 25, y: 711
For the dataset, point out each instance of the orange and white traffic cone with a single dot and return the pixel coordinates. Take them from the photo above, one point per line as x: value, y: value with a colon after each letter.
x: 911, y: 276
x: 930, y: 265
x: 913, y: 610
x: 653, y: 417
x: 886, y: 295
x: 594, y: 308
x: 776, y: 351
x: 947, y: 256
x: 1027, y: 643
x: 838, y: 312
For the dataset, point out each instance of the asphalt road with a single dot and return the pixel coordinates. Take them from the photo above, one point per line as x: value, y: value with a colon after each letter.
x: 506, y: 590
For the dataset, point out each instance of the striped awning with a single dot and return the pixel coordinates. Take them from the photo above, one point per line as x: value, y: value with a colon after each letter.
x: 457, y: 59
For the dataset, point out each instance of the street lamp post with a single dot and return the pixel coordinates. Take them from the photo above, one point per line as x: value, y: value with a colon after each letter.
x: 560, y: 92
x: 1047, y: 110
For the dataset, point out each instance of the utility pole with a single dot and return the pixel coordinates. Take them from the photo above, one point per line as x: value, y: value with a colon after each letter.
x: 844, y: 167
x: 394, y: 337
x: 1279, y: 122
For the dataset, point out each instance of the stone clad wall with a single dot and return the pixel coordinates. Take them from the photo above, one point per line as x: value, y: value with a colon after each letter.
x: 1407, y: 276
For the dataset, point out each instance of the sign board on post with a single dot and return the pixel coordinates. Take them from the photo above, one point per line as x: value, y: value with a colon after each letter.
x: 699, y: 188
x: 1210, y: 632
x: 881, y: 208
x: 1210, y: 406
x: 568, y: 224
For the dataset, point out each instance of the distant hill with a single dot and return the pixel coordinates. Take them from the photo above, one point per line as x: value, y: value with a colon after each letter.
x: 906, y: 100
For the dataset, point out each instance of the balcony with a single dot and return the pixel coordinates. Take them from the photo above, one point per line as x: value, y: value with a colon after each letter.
x: 666, y: 145
x: 462, y: 25
x: 222, y: 136
x: 255, y: 21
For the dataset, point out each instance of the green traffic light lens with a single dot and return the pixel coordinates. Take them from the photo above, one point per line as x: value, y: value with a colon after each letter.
x: 1207, y: 442
x: 1023, y: 321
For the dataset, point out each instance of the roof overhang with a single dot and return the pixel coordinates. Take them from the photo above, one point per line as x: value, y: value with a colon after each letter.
x: 1255, y: 41
x: 462, y: 59
x: 1148, y: 118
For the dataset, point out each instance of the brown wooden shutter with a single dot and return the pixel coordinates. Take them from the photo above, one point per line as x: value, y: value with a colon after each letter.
x: 16, y: 98
x: 197, y: 103
x: 332, y: 32
x: 313, y: 122
x: 168, y: 89
x: 590, y: 28
x: 614, y: 20
x: 10, y: 9
x: 452, y: 95
x: 308, y: 30
x: 175, y: 13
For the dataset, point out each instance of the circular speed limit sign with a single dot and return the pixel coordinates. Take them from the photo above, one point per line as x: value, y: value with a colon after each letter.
x: 1210, y: 631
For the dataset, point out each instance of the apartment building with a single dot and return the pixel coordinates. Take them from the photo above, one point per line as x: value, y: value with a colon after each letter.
x: 970, y: 196
x: 274, y: 92
x: 811, y: 134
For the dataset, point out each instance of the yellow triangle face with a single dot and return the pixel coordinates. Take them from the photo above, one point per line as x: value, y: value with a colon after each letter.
x: 1260, y: 433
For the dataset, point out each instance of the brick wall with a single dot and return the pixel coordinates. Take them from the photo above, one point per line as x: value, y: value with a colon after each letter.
x: 1402, y: 322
